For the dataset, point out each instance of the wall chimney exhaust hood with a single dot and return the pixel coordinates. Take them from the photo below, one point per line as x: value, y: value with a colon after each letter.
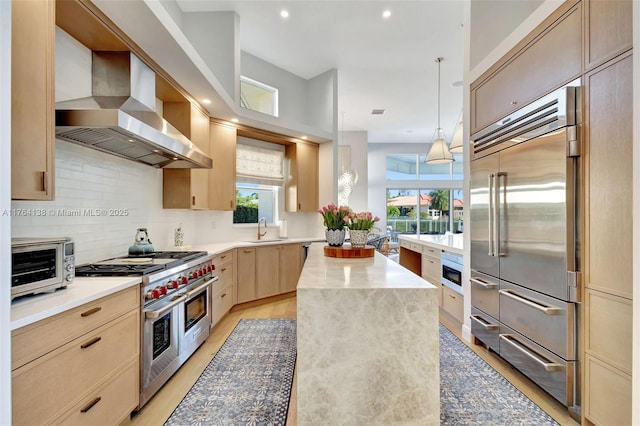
x: 120, y: 118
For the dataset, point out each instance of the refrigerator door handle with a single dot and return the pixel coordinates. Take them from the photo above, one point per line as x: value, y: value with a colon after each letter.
x: 491, y: 177
x: 487, y: 326
x: 482, y: 283
x: 496, y: 213
x: 548, y: 366
x: 546, y: 309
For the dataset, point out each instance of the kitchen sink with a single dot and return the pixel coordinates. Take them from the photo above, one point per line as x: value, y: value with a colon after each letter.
x: 264, y: 241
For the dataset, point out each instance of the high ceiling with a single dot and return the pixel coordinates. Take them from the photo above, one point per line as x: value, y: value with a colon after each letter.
x: 382, y: 63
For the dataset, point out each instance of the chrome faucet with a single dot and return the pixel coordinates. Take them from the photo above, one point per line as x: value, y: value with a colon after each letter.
x: 260, y: 235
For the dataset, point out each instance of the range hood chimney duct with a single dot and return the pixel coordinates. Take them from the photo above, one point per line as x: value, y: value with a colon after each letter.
x: 120, y: 118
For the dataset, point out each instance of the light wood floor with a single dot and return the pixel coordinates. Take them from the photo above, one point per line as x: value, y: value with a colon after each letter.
x: 156, y: 411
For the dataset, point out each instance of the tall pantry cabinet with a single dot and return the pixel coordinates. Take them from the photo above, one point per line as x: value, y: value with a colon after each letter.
x: 607, y: 131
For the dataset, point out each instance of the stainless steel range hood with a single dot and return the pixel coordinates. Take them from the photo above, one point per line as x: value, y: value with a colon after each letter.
x: 120, y: 117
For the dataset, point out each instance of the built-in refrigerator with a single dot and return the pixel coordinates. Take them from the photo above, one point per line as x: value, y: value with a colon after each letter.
x: 525, y: 241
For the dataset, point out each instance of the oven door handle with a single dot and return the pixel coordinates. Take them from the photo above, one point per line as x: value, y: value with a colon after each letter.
x: 159, y: 312
x: 196, y: 291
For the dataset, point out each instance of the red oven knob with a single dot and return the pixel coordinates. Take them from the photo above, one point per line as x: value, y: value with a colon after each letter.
x: 193, y: 275
x: 163, y: 289
x: 200, y: 272
x: 173, y: 284
x: 211, y: 268
x: 183, y: 280
x: 155, y: 293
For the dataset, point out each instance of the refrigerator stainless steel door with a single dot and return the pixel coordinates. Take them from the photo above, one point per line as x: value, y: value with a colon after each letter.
x: 535, y: 187
x: 482, y: 221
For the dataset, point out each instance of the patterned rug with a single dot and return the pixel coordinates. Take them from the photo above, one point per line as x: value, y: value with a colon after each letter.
x: 248, y: 381
x: 473, y: 393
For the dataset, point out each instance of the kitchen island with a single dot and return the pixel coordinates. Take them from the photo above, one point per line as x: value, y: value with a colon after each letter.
x: 368, y: 343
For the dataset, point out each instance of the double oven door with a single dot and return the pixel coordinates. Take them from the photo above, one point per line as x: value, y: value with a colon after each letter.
x: 172, y: 330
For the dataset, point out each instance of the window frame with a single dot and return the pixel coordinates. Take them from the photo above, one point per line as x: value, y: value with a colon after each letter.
x: 273, y: 91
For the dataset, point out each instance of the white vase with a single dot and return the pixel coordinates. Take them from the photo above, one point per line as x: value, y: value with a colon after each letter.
x: 358, y: 238
x: 335, y: 237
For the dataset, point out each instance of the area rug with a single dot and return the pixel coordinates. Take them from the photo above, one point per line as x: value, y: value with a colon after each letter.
x: 248, y: 382
x: 473, y: 393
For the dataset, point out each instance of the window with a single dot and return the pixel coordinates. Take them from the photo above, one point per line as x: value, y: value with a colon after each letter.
x: 258, y: 96
x: 259, y: 176
x: 255, y: 201
x: 424, y: 211
x: 413, y: 167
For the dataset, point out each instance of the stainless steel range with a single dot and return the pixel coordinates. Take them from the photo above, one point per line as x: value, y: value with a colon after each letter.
x: 176, y: 314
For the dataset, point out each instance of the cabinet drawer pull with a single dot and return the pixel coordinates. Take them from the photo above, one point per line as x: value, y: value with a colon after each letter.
x: 223, y: 295
x: 90, y: 405
x: 223, y: 256
x: 486, y: 325
x: 91, y: 311
x: 299, y: 206
x: 44, y: 181
x: 90, y: 342
x: 230, y: 203
x: 223, y: 269
x: 546, y: 309
x: 543, y: 362
x: 482, y: 283
x: 247, y: 250
x: 452, y: 296
x: 193, y: 200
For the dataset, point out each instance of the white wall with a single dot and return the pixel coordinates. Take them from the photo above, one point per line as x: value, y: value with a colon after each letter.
x: 322, y: 106
x: 292, y: 90
x: 358, y: 143
x: 216, y: 37
x: 5, y: 204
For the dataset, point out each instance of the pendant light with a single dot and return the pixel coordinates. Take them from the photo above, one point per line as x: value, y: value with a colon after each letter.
x: 439, y: 152
x: 457, y: 145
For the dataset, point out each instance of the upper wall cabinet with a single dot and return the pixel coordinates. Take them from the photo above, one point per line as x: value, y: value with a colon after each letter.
x: 301, y: 187
x: 608, y: 30
x: 222, y: 176
x: 187, y: 188
x: 547, y: 59
x: 32, y: 99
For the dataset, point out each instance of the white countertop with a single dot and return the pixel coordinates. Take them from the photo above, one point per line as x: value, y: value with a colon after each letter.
x: 27, y: 310
x: 378, y: 272
x: 451, y: 243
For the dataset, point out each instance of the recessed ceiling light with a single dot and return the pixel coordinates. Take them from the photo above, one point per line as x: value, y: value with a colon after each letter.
x: 303, y: 137
x: 378, y: 111
x: 206, y: 101
x: 386, y: 14
x: 284, y: 13
x: 235, y: 120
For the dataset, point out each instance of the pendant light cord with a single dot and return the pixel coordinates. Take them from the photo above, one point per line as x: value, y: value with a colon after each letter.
x: 438, y: 60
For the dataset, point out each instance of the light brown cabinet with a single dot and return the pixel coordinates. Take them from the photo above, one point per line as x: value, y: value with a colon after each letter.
x: 187, y: 188
x: 452, y: 302
x: 85, y: 370
x: 548, y: 59
x: 32, y: 99
x: 608, y: 294
x: 608, y: 30
x: 222, y: 176
x: 222, y: 293
x: 246, y: 275
x: 301, y: 187
x: 267, y: 270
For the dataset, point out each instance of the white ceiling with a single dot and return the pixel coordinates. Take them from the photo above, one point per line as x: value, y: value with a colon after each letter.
x: 381, y: 63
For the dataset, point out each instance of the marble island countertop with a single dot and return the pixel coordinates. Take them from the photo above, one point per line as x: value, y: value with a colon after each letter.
x: 450, y: 243
x: 368, y: 343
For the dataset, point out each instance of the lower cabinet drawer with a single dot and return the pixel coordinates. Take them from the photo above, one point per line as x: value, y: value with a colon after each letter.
x: 485, y: 328
x: 431, y: 269
x: 547, y: 370
x: 51, y: 385
x: 221, y: 302
x: 547, y: 321
x: 453, y: 302
x: 110, y: 404
x: 225, y: 274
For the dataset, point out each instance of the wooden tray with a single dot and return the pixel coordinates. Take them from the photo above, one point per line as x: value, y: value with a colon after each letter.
x: 349, y: 252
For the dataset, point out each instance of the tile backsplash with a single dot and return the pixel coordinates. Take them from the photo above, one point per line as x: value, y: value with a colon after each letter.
x: 101, y: 200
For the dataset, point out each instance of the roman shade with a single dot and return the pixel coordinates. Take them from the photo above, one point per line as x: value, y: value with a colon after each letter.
x: 259, y: 165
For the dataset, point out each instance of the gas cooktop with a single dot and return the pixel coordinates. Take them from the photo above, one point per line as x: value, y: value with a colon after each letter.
x: 137, y: 264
